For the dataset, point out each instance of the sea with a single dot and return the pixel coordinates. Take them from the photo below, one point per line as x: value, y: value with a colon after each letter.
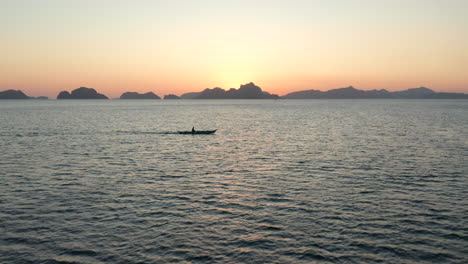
x: 281, y: 181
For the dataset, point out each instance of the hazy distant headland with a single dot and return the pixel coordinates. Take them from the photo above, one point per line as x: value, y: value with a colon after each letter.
x: 192, y: 95
x: 81, y: 93
x: 171, y: 96
x: 135, y: 95
x: 353, y: 93
x: 252, y: 91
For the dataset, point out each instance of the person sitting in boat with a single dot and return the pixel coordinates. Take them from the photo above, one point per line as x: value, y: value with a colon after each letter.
x: 193, y: 129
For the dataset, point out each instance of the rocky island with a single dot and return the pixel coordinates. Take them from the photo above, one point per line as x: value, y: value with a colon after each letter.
x: 246, y: 91
x: 192, y: 95
x: 13, y: 94
x: 135, y: 95
x: 171, y: 96
x: 353, y: 93
x: 81, y: 93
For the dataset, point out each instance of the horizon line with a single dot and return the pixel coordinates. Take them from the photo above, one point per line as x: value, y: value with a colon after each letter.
x: 227, y: 89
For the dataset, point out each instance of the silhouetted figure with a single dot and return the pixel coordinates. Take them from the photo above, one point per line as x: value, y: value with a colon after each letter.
x: 193, y: 129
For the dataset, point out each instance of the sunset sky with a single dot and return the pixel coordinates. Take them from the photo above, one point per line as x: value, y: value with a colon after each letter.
x: 178, y: 46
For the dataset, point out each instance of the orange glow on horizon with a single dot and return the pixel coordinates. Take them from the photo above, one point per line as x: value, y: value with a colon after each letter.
x: 281, y: 87
x: 281, y: 47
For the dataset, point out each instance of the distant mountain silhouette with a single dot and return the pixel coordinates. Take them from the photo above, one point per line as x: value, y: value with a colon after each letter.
x: 64, y: 95
x: 191, y: 95
x: 246, y: 91
x: 13, y: 94
x: 81, y: 93
x: 414, y: 93
x: 353, y: 93
x: 134, y: 95
x: 39, y: 97
x: 171, y: 96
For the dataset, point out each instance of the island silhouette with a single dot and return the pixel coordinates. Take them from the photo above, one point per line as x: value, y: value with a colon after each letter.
x: 135, y: 95
x: 171, y: 96
x: 252, y: 91
x: 191, y: 95
x: 245, y: 91
x: 81, y: 93
x: 353, y: 93
x: 18, y: 94
x: 13, y: 94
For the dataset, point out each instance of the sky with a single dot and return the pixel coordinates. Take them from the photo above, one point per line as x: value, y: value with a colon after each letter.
x: 179, y: 46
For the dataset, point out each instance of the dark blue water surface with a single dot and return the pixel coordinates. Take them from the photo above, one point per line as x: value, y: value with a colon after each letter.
x: 285, y: 181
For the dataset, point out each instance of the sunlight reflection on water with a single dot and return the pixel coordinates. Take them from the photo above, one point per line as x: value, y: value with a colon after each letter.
x: 286, y: 181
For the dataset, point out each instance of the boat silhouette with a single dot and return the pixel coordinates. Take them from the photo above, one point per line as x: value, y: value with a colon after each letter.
x: 194, y: 132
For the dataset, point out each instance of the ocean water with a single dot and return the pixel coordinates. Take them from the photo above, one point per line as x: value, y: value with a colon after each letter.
x: 281, y: 181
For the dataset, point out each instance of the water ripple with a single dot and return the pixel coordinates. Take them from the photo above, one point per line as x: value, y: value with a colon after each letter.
x: 352, y: 181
